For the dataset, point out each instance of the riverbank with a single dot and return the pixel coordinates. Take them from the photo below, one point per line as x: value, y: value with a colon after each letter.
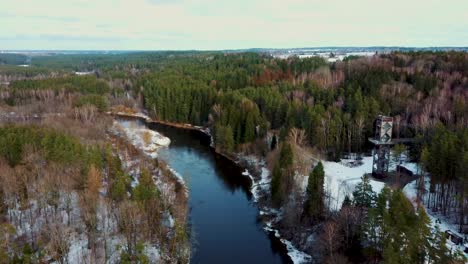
x: 206, y: 131
x: 259, y: 175
x: 147, y: 119
x: 145, y: 140
x: 137, y: 148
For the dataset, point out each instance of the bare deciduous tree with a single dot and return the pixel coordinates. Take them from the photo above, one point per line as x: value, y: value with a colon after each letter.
x: 330, y: 239
x: 130, y: 222
x: 297, y: 136
x: 59, y: 242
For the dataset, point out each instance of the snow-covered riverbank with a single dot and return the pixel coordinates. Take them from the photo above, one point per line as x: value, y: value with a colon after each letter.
x: 143, y: 138
x: 167, y: 181
x: 260, y: 188
x: 340, y: 180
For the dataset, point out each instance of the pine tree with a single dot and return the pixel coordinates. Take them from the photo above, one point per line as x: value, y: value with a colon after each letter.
x: 346, y: 201
x: 371, y: 233
x: 363, y: 195
x: 118, y: 190
x: 400, y: 235
x: 391, y: 255
x: 439, y: 250
x: 382, y: 199
x: 273, y: 143
x: 315, y: 195
x: 281, y: 173
x: 249, y: 131
x: 146, y: 189
x: 286, y: 156
x: 228, y: 139
x: 422, y: 234
x: 276, y: 184
x: 219, y: 135
x: 398, y: 151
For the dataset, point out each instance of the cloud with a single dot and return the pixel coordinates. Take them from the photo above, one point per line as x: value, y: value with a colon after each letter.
x: 210, y: 24
x: 165, y: 2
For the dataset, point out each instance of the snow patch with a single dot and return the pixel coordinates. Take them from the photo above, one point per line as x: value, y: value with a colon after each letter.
x: 296, y: 255
x: 147, y: 140
x: 84, y: 73
x: 410, y: 190
x: 168, y: 220
x: 152, y: 253
x: 341, y: 179
x: 261, y: 186
x: 78, y: 249
x: 177, y: 175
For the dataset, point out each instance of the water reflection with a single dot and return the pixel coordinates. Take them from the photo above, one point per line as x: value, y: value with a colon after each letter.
x: 223, y: 218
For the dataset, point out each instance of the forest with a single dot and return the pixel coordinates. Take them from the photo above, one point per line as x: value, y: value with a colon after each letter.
x: 307, y: 103
x: 336, y: 105
x: 281, y: 110
x: 74, y: 189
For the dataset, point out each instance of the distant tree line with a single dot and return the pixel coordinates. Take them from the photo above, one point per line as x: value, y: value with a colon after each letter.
x: 336, y: 105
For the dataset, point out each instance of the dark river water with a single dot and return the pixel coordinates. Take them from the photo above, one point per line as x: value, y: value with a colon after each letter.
x: 223, y: 216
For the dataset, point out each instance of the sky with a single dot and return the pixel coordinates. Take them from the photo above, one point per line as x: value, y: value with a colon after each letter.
x: 236, y: 24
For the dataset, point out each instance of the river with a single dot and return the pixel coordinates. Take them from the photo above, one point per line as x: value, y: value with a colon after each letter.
x: 223, y: 216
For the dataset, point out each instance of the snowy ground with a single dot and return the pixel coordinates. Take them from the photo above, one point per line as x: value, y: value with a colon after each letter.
x: 296, y: 255
x: 31, y: 219
x: 57, y: 218
x: 259, y: 188
x: 148, y: 142
x: 342, y: 177
x: 340, y: 180
x: 339, y: 56
x: 139, y: 114
x: 141, y: 137
x: 444, y: 223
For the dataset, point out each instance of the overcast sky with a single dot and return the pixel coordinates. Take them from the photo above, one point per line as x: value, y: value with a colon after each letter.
x: 236, y: 24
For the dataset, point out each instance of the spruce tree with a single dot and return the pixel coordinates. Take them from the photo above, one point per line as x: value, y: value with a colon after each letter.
x: 371, y: 232
x: 422, y: 234
x: 276, y: 184
x: 219, y: 136
x: 347, y: 201
x: 118, y: 190
x: 391, y: 255
x: 249, y: 131
x: 363, y: 195
x: 282, y: 170
x: 438, y: 252
x: 146, y: 189
x: 286, y: 156
x: 315, y: 196
x: 273, y: 143
x: 228, y: 139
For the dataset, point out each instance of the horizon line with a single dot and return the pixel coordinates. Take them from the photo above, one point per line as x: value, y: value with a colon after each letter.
x: 253, y: 48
